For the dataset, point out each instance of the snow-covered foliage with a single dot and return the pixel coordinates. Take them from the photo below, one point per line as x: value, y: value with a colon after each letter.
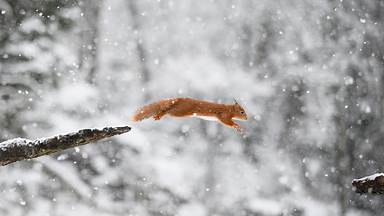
x: 309, y: 74
x: 16, y: 142
x: 370, y: 177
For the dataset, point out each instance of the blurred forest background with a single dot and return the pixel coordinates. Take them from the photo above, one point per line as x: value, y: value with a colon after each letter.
x: 309, y: 73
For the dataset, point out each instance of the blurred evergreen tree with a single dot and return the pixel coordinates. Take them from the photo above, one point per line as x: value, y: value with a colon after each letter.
x: 31, y: 58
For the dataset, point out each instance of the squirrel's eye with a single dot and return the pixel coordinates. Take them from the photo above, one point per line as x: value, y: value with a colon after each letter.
x: 242, y: 112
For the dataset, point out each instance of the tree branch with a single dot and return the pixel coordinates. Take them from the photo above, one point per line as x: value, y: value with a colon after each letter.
x: 373, y: 184
x: 20, y: 149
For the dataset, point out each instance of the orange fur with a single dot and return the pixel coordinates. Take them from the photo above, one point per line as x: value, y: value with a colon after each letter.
x: 188, y: 107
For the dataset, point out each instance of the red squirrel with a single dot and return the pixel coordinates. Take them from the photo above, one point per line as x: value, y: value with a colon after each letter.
x: 188, y: 107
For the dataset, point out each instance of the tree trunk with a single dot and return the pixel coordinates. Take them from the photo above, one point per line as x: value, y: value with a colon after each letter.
x: 140, y: 48
x: 88, y: 57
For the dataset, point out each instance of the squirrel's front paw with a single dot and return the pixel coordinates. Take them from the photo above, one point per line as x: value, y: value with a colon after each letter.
x: 239, y: 129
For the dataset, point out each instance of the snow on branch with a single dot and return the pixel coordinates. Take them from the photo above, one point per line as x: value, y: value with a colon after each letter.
x: 20, y: 149
x: 373, y: 184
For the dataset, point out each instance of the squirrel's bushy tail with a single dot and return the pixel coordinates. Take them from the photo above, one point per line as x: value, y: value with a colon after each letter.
x: 153, y: 109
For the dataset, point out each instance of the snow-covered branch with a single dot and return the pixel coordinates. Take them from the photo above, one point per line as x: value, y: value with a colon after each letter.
x: 373, y: 184
x: 20, y: 149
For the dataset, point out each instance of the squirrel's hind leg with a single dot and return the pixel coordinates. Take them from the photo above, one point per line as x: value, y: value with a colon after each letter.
x: 166, y: 109
x: 159, y: 115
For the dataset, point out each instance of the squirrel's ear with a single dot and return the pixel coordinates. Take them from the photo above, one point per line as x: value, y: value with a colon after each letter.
x: 235, y: 101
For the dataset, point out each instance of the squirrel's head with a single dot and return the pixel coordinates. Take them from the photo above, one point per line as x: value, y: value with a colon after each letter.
x: 239, y: 112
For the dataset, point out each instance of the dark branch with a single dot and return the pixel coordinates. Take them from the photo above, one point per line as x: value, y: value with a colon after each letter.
x: 20, y: 149
x: 373, y: 184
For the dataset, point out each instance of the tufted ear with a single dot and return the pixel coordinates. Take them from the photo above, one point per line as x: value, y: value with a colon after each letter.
x: 235, y: 101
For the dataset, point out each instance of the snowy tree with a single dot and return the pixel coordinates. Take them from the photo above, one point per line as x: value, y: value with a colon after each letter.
x: 309, y: 74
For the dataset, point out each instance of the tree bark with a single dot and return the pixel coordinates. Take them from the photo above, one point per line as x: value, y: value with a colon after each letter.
x: 20, y: 149
x: 373, y: 184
